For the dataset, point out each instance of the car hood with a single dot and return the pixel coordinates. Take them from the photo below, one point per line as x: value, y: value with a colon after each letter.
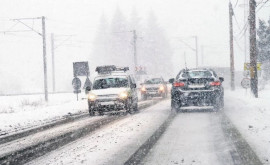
x: 109, y: 91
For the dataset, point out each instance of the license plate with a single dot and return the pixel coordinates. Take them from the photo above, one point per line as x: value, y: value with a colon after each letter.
x: 196, y: 86
x: 107, y: 103
x: 152, y: 93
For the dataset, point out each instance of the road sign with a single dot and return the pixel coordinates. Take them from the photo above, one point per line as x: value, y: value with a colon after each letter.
x: 80, y: 69
x: 76, y: 83
x: 245, y: 83
x: 87, y: 83
x: 247, y: 66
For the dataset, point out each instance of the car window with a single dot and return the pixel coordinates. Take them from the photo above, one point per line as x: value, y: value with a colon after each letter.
x: 110, y: 83
x: 196, y: 74
x: 153, y: 81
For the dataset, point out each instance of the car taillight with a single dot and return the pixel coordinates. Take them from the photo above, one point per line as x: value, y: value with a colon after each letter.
x: 215, y: 83
x: 179, y: 84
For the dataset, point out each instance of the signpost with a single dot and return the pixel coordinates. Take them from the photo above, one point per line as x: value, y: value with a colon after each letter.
x: 80, y: 69
x: 76, y: 83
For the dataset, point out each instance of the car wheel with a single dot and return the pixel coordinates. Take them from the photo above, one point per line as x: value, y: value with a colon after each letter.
x: 100, y: 112
x: 91, y: 110
x: 218, y: 104
x: 163, y: 95
x: 175, y: 105
x: 128, y: 106
x: 135, y: 108
x: 144, y: 97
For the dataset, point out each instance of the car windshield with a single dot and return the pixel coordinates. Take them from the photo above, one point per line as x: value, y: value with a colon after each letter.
x: 196, y: 74
x: 110, y: 83
x: 153, y: 81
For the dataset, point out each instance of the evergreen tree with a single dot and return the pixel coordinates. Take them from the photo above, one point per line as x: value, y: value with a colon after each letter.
x: 101, y: 49
x: 263, y: 41
x: 157, y: 52
x: 121, y: 47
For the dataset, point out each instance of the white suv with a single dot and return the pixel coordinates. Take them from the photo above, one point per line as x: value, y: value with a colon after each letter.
x: 112, y: 90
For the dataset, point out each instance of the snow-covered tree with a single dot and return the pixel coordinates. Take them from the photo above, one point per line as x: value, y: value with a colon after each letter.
x: 101, y: 51
x: 121, y: 38
x: 263, y: 41
x: 157, y: 52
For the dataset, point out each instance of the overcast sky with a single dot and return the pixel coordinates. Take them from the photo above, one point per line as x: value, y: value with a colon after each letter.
x: 207, y: 19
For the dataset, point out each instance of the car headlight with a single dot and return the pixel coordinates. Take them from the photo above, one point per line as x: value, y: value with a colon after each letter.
x: 161, y: 88
x: 143, y: 89
x: 92, y: 97
x: 123, y: 95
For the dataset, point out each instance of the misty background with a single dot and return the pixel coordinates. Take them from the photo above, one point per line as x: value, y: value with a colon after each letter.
x: 100, y: 32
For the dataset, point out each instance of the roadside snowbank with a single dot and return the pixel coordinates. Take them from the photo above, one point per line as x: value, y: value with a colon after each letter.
x: 252, y: 118
x: 21, y: 112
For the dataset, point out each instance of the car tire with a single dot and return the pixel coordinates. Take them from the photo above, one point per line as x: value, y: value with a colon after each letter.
x: 163, y: 95
x: 144, y: 97
x: 135, y: 108
x: 91, y: 110
x: 175, y: 106
x: 218, y: 104
x: 101, y: 113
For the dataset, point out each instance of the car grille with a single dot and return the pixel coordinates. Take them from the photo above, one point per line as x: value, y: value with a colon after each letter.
x: 152, y: 89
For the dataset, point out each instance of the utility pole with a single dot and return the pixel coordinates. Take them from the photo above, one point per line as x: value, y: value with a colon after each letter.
x: 44, y: 58
x: 53, y: 69
x: 135, y: 48
x: 202, y: 47
x: 253, y: 54
x: 197, y: 56
x: 43, y: 35
x: 231, y: 47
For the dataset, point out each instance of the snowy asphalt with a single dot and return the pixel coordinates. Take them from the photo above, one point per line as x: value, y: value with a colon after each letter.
x: 193, y: 137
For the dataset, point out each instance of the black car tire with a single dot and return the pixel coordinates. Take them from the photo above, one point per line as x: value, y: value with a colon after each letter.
x: 144, y: 97
x: 128, y: 106
x: 101, y: 113
x: 163, y: 95
x: 218, y: 104
x: 175, y: 105
x: 135, y: 108
x: 91, y: 110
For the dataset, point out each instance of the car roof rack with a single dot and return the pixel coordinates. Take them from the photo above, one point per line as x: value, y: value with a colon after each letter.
x: 108, y: 69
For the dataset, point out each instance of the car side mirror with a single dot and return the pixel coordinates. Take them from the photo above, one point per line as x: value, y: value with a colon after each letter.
x: 171, y: 80
x: 221, y: 79
x: 133, y: 86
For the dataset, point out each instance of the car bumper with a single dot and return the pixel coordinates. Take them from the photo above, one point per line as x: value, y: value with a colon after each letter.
x: 107, y: 105
x: 153, y: 93
x: 197, y: 98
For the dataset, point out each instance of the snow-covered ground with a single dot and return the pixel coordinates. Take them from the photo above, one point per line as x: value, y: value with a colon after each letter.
x: 112, y: 144
x: 251, y: 117
x: 17, y: 112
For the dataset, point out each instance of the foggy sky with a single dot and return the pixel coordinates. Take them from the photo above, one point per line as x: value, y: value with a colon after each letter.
x: 21, y: 53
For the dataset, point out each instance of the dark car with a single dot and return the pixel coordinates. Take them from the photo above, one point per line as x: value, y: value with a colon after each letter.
x: 197, y: 87
x: 154, y: 87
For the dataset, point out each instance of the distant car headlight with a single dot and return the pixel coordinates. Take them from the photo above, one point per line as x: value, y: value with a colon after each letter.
x: 92, y: 97
x: 161, y: 88
x: 143, y: 89
x: 123, y: 95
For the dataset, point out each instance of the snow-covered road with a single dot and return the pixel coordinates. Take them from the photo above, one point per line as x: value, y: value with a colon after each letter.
x: 192, y: 138
x: 112, y: 144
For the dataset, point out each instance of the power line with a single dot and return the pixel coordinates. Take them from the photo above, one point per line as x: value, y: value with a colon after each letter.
x: 262, y: 6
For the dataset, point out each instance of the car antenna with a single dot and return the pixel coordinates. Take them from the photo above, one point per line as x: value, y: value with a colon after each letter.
x: 185, y: 60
